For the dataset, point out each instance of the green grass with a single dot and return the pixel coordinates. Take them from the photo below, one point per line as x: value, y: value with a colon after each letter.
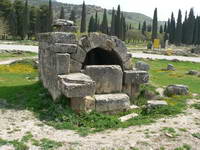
x: 10, y: 55
x: 21, y: 91
x: 44, y: 144
x: 161, y: 78
x: 196, y: 106
x: 184, y: 147
x: 196, y: 135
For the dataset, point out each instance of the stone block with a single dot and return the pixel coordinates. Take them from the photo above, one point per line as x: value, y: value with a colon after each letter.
x: 135, y: 77
x: 79, y: 56
x: 112, y: 103
x: 62, y: 63
x: 86, y: 104
x: 57, y: 37
x: 127, y: 117
x: 140, y: 65
x: 76, y: 85
x: 108, y: 78
x: 75, y: 66
x: 64, y: 48
x: 176, y: 90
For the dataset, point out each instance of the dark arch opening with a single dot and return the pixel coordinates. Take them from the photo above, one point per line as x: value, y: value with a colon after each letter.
x: 99, y: 56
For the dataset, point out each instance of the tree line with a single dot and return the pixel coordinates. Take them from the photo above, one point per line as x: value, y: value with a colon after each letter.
x: 180, y: 31
x: 25, y: 21
x: 118, y: 26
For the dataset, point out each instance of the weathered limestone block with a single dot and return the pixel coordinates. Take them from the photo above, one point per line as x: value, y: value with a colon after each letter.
x: 79, y: 55
x: 140, y: 65
x: 62, y: 63
x: 176, y: 90
x: 101, y: 40
x: 76, y: 85
x: 58, y: 37
x: 108, y: 78
x: 132, y: 90
x: 135, y: 77
x: 85, y: 104
x: 120, y: 48
x: 64, y: 48
x: 85, y: 43
x: 112, y: 102
x: 75, y: 66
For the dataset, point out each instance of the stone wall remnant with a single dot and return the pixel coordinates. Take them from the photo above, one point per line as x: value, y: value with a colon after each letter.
x: 94, y: 71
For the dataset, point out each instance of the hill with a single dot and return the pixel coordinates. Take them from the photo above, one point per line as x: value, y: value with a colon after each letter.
x: 131, y: 17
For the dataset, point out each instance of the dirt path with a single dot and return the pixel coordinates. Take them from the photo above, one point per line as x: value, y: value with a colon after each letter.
x: 19, y: 47
x: 15, y: 123
x: 155, y: 56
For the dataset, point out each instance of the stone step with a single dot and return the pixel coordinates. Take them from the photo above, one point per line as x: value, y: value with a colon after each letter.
x: 112, y: 103
x: 127, y: 117
x: 76, y: 85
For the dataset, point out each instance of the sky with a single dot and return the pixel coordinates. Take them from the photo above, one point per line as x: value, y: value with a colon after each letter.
x: 165, y: 7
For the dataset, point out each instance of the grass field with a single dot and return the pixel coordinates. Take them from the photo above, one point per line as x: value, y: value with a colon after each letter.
x: 161, y: 78
x: 20, y: 88
x: 5, y: 55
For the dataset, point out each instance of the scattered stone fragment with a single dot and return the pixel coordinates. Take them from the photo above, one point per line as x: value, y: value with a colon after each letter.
x: 171, y: 67
x: 176, y: 90
x: 127, y: 117
x: 192, y: 72
x: 140, y: 65
x: 156, y: 103
x: 133, y: 107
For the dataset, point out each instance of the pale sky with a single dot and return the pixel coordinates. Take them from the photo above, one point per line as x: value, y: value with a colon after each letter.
x: 165, y: 7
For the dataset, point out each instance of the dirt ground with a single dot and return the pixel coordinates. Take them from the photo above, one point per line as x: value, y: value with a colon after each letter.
x: 15, y: 123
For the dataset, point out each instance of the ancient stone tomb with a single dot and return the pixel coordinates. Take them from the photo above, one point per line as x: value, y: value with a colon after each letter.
x: 94, y: 71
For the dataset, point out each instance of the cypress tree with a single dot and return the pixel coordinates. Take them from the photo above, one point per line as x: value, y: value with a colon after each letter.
x: 83, y: 18
x: 165, y: 27
x: 50, y: 17
x: 130, y: 27
x: 155, y: 25
x: 33, y: 19
x: 139, y: 26
x: 5, y: 8
x: 62, y: 13
x: 122, y: 27
x: 149, y: 28
x: 172, y: 29
x: 104, y: 25
x: 113, y: 23
x: 196, y: 31
x: 25, y: 20
x: 12, y: 19
x: 19, y: 10
x: 144, y: 27
x: 91, y: 27
x: 73, y: 16
x: 184, y: 29
x: 96, y: 22
x: 118, y: 22
x: 168, y: 26
x: 161, y: 29
x: 42, y: 19
x: 190, y: 27
x: 198, y: 42
x: 178, y: 33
